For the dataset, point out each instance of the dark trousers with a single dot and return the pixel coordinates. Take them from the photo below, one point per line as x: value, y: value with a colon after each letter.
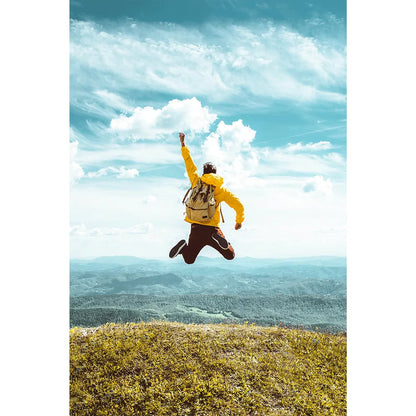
x: 201, y: 236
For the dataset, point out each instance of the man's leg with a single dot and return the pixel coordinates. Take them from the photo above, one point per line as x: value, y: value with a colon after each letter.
x: 218, y: 241
x: 199, y: 237
x: 177, y: 249
x: 196, y: 241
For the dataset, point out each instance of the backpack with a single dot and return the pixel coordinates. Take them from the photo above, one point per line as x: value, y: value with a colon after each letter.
x: 200, y: 205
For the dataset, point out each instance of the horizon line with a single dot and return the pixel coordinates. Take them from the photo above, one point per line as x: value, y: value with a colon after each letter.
x: 207, y: 257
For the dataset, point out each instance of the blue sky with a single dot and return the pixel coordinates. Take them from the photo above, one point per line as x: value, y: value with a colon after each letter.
x: 258, y: 87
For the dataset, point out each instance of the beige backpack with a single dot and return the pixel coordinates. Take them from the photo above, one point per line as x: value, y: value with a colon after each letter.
x: 200, y: 205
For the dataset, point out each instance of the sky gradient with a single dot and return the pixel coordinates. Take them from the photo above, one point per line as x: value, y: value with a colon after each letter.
x: 258, y: 88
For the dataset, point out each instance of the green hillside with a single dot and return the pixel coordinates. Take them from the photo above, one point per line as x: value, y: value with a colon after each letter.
x: 163, y: 368
x: 327, y: 313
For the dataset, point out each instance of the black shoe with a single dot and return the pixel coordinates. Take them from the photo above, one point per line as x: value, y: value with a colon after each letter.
x: 177, y: 249
x: 220, y: 240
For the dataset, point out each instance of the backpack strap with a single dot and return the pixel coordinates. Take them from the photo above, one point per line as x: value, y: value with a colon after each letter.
x: 187, y: 192
x: 207, y: 193
x: 222, y: 216
x: 199, y: 185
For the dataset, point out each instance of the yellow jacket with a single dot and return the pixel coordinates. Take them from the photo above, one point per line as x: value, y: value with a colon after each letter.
x: 221, y: 193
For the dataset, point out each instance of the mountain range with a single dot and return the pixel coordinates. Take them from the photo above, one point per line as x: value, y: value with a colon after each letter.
x: 310, y: 291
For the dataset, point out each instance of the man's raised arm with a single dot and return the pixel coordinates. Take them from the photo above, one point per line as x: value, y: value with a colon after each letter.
x: 191, y: 169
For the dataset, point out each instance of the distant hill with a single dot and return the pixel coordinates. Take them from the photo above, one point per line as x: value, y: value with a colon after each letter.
x: 168, y: 279
x: 118, y: 275
x: 210, y: 262
x: 310, y: 292
x: 310, y: 312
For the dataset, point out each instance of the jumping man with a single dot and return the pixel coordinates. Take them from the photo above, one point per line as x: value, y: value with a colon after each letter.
x: 207, y: 233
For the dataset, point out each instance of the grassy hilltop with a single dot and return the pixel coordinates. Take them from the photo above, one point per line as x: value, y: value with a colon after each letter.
x: 163, y: 368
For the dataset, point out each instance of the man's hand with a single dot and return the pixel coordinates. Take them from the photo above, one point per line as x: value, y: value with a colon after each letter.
x: 182, y: 138
x: 238, y: 225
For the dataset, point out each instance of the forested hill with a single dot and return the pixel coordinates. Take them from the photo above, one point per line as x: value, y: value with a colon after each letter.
x: 310, y: 312
x: 308, y: 292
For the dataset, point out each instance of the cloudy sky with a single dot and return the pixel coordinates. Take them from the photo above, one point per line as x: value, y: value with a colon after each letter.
x: 259, y: 88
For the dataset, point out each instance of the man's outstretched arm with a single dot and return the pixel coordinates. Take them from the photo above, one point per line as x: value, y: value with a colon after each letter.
x: 191, y: 169
x: 231, y: 200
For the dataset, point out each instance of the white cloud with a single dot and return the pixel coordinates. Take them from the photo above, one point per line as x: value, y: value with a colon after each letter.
x: 150, y: 199
x: 81, y: 230
x: 300, y: 159
x: 109, y: 213
x: 262, y: 60
x: 325, y: 64
x: 318, y: 184
x: 102, y: 172
x: 336, y: 158
x: 309, y: 147
x: 229, y: 148
x: 77, y: 156
x: 235, y: 137
x: 124, y: 173
x: 113, y: 100
x: 99, y: 102
x: 150, y: 123
x: 76, y: 171
x: 143, y: 153
x: 121, y: 173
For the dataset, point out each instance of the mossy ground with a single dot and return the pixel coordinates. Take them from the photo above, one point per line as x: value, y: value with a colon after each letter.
x: 162, y: 368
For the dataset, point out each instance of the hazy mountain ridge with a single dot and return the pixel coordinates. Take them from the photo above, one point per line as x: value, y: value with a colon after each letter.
x: 238, y: 262
x: 309, y: 292
x: 123, y: 275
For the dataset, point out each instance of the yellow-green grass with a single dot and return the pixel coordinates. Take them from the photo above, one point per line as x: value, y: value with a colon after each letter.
x: 163, y: 368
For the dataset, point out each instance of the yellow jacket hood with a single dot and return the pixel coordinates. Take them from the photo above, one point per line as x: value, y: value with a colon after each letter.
x: 212, y: 179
